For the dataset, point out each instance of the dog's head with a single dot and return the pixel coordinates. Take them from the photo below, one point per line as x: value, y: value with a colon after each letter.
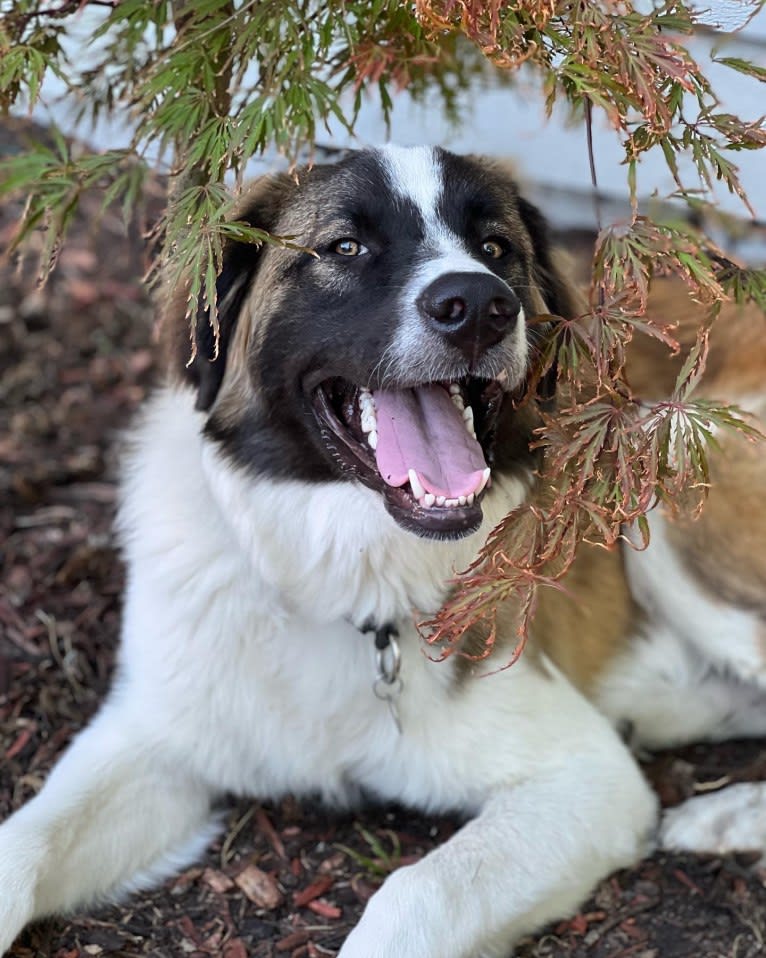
x: 390, y: 356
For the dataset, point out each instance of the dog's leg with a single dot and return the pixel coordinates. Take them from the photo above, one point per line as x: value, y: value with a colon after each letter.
x: 531, y: 856
x: 116, y: 813
x: 733, y: 819
x: 667, y: 694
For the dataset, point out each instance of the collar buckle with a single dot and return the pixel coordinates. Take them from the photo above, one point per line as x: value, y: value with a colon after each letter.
x: 388, y: 684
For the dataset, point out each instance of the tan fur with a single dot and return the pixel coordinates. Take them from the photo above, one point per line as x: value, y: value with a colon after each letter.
x: 585, y: 626
x: 725, y: 548
x: 239, y: 386
x: 736, y: 363
x: 580, y: 626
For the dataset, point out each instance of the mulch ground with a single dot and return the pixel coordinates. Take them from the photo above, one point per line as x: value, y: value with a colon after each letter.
x: 283, y: 880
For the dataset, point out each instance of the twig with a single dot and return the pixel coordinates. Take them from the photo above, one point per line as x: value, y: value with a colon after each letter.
x: 232, y: 836
x: 592, y: 162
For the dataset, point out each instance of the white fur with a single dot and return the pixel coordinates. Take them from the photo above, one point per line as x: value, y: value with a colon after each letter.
x: 416, y: 174
x: 733, y: 819
x: 723, y: 635
x: 663, y: 692
x: 237, y: 638
x: 695, y: 670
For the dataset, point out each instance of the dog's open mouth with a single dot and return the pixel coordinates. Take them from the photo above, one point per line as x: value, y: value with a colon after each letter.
x: 427, y: 449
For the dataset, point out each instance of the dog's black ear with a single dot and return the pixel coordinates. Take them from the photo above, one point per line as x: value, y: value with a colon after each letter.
x: 557, y: 289
x: 232, y: 286
x: 260, y: 208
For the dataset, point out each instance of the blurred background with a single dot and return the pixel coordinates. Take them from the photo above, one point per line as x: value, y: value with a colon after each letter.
x: 504, y: 120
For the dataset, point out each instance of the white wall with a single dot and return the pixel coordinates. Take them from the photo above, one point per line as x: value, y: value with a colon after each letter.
x: 512, y: 123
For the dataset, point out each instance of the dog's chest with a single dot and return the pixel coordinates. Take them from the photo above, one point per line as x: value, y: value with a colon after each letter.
x: 268, y: 707
x: 239, y: 647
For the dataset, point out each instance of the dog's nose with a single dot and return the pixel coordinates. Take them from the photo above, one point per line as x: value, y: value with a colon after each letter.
x: 472, y: 311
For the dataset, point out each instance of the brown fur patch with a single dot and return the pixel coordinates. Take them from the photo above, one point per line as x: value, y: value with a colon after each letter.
x: 736, y: 363
x: 725, y: 548
x: 583, y: 625
x: 580, y: 627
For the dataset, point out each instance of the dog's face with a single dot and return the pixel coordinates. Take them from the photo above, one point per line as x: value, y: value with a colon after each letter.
x: 389, y: 355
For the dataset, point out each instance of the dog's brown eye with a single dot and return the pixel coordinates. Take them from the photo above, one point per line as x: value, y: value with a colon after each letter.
x: 349, y: 247
x: 493, y: 249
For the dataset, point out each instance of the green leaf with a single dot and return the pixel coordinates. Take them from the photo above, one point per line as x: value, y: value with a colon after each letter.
x: 742, y: 66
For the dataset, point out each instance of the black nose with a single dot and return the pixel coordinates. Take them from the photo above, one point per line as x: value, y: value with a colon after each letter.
x: 472, y: 311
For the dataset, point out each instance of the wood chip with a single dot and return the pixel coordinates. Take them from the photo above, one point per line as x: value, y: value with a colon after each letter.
x: 331, y: 864
x: 218, y: 881
x: 259, y: 887
x: 312, y: 891
x: 21, y: 741
x: 324, y: 909
x: 263, y: 822
x: 234, y: 949
x: 291, y: 941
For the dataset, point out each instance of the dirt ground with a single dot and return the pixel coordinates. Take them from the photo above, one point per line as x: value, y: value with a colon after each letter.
x: 283, y: 880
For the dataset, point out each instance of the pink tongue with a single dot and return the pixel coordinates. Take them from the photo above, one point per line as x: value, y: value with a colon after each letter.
x: 422, y: 429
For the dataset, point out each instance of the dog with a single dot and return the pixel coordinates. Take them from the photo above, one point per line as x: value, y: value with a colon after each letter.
x: 305, y: 491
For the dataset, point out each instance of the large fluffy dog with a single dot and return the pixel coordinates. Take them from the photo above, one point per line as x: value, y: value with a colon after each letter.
x: 296, y: 500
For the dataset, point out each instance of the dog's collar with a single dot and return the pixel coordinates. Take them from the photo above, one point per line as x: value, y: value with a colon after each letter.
x: 388, y: 662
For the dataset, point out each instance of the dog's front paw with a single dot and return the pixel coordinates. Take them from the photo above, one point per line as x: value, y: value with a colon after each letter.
x: 16, y: 903
x: 733, y: 819
x: 16, y: 890
x: 414, y: 916
x: 399, y: 922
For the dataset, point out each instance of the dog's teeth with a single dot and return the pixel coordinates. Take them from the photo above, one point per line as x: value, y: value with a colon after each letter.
x: 457, y: 399
x: 429, y: 499
x: 484, y: 480
x: 469, y: 499
x: 450, y: 502
x: 468, y: 420
x: 440, y: 500
x: 417, y: 489
x: 372, y: 439
x: 461, y: 500
x: 369, y: 420
x: 454, y: 389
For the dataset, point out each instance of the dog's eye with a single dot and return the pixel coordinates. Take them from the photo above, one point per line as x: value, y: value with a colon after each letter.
x: 349, y: 247
x: 494, y: 248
